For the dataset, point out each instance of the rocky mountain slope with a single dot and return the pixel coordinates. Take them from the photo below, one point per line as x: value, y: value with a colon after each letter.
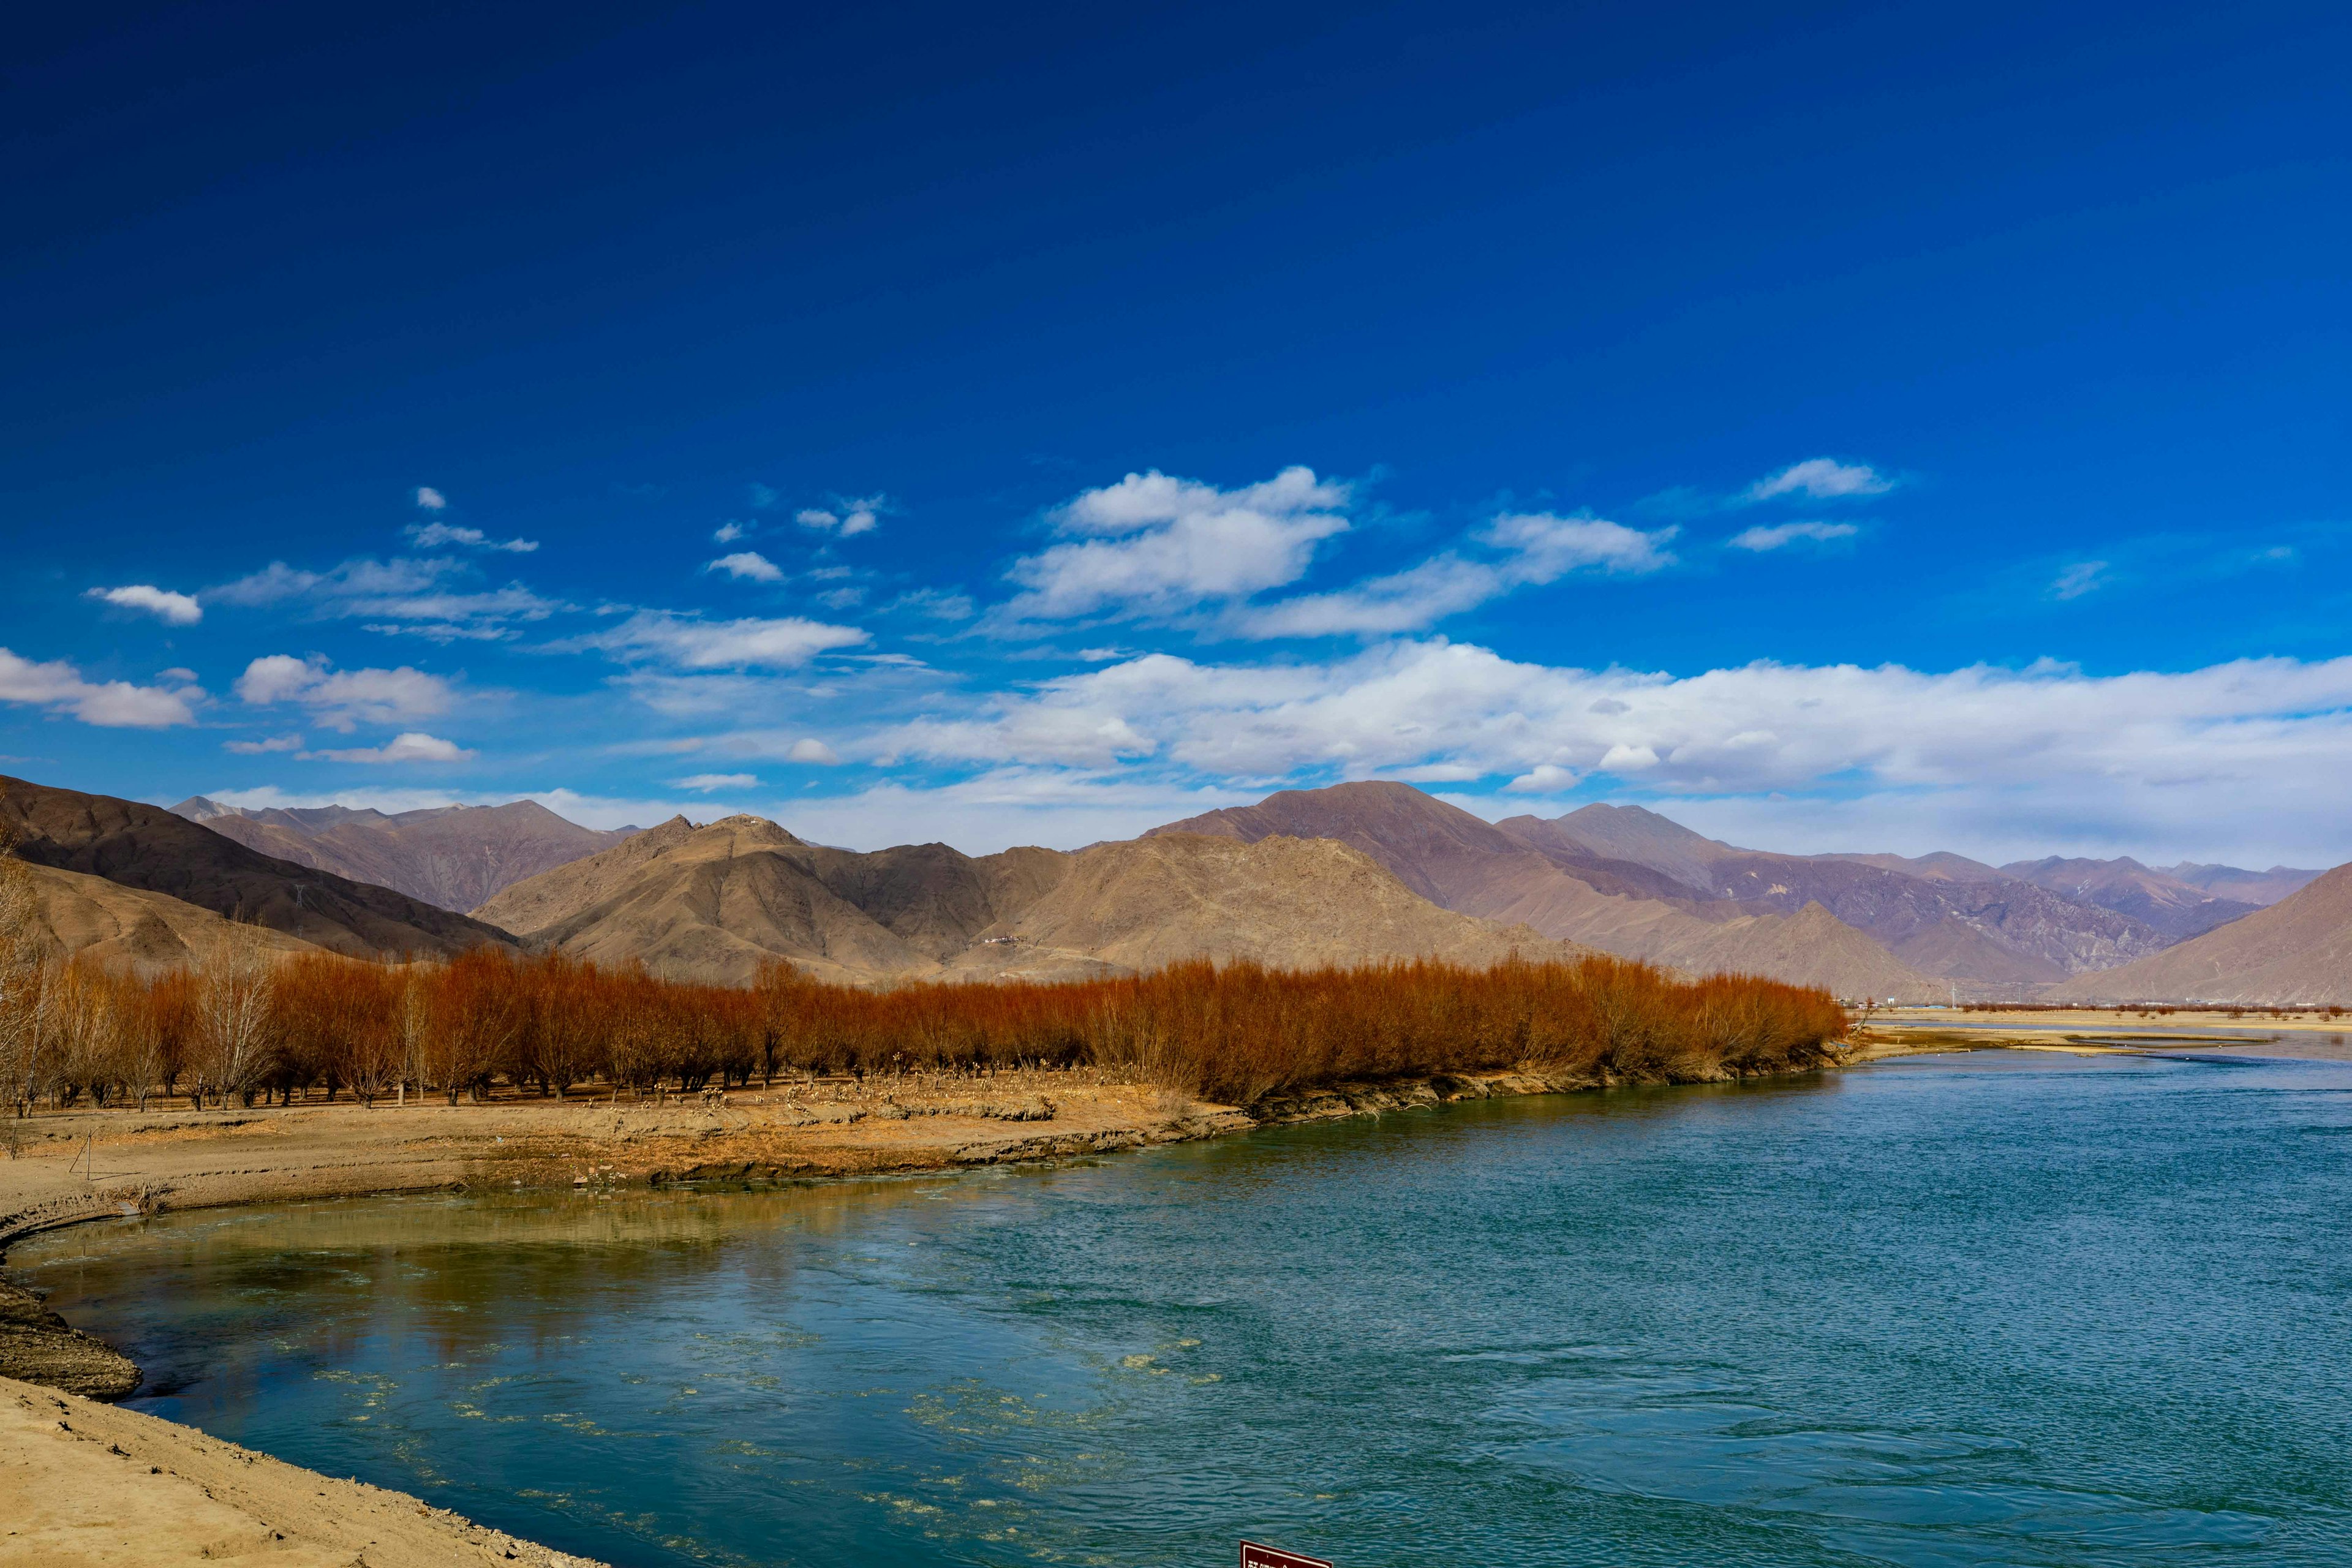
x: 145, y: 846
x: 2169, y: 905
x: 109, y: 923
x: 456, y: 857
x: 2297, y: 950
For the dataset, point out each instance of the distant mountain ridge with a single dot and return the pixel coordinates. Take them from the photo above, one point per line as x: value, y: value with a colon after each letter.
x: 1614, y: 890
x: 2260, y: 887
x: 2169, y: 905
x: 2298, y: 950
x: 458, y: 857
x: 1944, y: 915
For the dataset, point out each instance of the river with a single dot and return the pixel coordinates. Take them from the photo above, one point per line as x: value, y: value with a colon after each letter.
x: 1994, y: 1308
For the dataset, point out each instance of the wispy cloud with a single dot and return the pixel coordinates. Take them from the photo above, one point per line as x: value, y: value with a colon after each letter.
x: 728, y: 532
x: 705, y: 782
x: 263, y: 747
x: 749, y: 564
x: 59, y: 687
x: 431, y: 500
x: 685, y: 642
x: 1821, y: 478
x: 2081, y: 577
x: 176, y: 609
x: 1774, y: 536
x: 1531, y: 548
x: 414, y: 595
x: 438, y: 535
x: 413, y: 746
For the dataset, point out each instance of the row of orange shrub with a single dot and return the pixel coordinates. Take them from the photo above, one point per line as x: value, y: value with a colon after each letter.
x: 245, y: 1027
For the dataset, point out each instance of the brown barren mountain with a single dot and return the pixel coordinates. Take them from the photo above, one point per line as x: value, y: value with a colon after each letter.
x: 1815, y: 944
x: 2298, y: 950
x: 1288, y: 903
x: 145, y: 846
x: 1589, y: 894
x: 715, y: 902
x: 456, y: 857
x: 708, y: 903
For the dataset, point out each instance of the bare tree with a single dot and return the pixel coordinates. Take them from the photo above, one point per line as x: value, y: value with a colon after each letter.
x: 236, y: 1034
x: 23, y: 979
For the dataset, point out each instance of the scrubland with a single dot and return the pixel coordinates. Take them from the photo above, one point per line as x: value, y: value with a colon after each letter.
x: 247, y: 1027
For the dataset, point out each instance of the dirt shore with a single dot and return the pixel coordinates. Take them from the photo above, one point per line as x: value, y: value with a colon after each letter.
x: 88, y: 1485
x: 2246, y: 1031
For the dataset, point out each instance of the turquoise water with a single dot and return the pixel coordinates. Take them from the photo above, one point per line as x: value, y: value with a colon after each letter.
x: 1984, y: 1308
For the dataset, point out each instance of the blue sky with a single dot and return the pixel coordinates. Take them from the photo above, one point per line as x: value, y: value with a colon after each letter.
x: 1843, y: 426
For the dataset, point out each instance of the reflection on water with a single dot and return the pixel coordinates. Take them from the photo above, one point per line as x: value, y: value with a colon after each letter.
x: 1964, y: 1310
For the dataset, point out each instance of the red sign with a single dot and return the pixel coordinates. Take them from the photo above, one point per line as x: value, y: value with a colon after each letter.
x: 1256, y: 1556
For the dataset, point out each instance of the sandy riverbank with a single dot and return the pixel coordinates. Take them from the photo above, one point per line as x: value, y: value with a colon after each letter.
x: 88, y: 1485
x: 2303, y: 1036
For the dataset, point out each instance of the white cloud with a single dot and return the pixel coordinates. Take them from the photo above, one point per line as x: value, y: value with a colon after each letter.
x: 2234, y: 741
x: 263, y: 747
x: 750, y: 644
x: 1546, y: 779
x: 177, y: 609
x: 706, y: 782
x: 1822, y: 479
x: 430, y: 498
x: 2081, y: 578
x: 433, y: 535
x: 728, y: 532
x: 1772, y: 537
x: 1155, y: 546
x: 412, y: 746
x: 860, y: 515
x: 763, y: 496
x: 1536, y: 548
x: 814, y: 751
x: 59, y: 688
x: 748, y: 563
x: 339, y: 700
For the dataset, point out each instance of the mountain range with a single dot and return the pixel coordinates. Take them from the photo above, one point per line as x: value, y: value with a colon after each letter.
x: 1352, y: 872
x: 453, y: 856
x: 715, y: 902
